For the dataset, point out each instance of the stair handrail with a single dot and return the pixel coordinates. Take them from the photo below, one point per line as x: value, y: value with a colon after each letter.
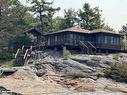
x: 91, y: 44
x: 17, y: 53
x: 84, y: 44
x: 31, y: 47
x: 26, y: 53
x: 22, y: 47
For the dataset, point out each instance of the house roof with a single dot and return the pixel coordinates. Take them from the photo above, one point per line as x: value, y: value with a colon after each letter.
x: 104, y: 31
x: 79, y: 30
x: 72, y: 29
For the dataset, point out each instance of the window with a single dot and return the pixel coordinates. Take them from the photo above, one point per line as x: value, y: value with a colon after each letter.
x: 48, y: 40
x: 106, y: 39
x: 99, y: 39
x: 71, y: 36
x: 112, y: 42
x: 56, y: 38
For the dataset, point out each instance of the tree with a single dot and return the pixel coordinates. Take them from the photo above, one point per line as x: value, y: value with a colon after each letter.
x: 14, y: 19
x: 59, y: 23
x: 106, y: 27
x: 91, y: 18
x: 70, y: 17
x: 67, y: 21
x: 44, y: 12
x: 123, y: 31
x: 21, y: 40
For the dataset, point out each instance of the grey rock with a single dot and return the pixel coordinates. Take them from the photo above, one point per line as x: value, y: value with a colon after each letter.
x: 40, y: 70
x: 115, y: 89
x: 4, y: 91
x: 77, y: 65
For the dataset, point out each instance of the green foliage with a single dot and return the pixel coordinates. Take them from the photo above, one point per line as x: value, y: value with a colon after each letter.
x: 123, y: 31
x: 96, y: 58
x: 117, y: 56
x: 66, y: 54
x: 5, y: 55
x: 118, y: 71
x: 70, y: 17
x: 8, y: 64
x: 106, y: 27
x: 124, y: 46
x: 21, y: 40
x: 14, y: 19
x: 91, y: 17
x: 44, y: 11
x: 59, y: 23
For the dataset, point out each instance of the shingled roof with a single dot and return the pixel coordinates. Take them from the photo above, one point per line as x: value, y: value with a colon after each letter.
x: 72, y: 29
x: 79, y: 30
x: 104, y: 31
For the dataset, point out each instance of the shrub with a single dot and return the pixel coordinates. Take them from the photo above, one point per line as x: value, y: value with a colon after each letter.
x: 21, y: 40
x: 96, y: 58
x: 117, y: 56
x: 118, y: 71
x: 66, y: 54
x: 8, y: 64
x: 4, y: 55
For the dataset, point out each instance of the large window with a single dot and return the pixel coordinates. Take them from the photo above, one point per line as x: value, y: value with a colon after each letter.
x: 112, y: 40
x: 109, y: 40
x: 56, y: 38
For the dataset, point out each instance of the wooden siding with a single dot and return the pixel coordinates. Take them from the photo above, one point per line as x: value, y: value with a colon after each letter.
x: 72, y: 39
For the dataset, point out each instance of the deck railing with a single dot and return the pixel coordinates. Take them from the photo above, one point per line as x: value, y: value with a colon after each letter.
x: 76, y: 43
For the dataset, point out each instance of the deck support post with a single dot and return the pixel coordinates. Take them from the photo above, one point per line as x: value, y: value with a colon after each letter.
x: 99, y: 51
x: 64, y: 49
x: 107, y: 51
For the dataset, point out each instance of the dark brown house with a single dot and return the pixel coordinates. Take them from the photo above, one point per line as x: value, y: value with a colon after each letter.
x: 74, y: 38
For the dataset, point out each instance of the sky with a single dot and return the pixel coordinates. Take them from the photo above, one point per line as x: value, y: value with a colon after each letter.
x: 114, y: 12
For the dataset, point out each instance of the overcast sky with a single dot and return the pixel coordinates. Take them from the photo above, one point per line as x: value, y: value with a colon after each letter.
x: 114, y: 12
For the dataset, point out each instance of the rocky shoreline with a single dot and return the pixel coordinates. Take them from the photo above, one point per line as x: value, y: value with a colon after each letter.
x: 78, y: 75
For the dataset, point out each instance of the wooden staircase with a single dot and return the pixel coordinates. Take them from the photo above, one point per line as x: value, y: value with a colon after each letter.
x: 22, y: 56
x: 87, y: 47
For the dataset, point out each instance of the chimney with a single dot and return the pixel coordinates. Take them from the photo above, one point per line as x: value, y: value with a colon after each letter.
x: 78, y: 23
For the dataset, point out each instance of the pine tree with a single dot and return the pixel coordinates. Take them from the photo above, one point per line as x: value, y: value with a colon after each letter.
x: 67, y: 21
x: 44, y: 11
x: 91, y: 18
x: 70, y: 17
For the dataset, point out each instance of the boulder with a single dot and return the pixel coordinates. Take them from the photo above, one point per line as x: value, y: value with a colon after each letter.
x: 40, y: 70
x: 115, y: 89
x: 7, y: 71
x: 79, y: 66
x: 93, y: 63
x: 4, y: 91
x: 24, y: 73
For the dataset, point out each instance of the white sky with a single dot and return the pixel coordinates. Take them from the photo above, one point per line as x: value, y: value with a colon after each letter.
x: 114, y: 12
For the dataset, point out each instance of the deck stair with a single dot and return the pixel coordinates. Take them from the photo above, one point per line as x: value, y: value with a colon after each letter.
x: 87, y: 47
x: 92, y: 48
x: 22, y: 56
x: 84, y: 47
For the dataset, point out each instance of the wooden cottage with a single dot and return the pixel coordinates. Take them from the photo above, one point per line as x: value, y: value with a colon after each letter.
x: 74, y: 38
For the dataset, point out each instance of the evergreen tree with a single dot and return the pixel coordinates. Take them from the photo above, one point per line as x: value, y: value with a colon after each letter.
x: 44, y: 12
x: 123, y: 31
x: 67, y: 21
x: 70, y: 17
x: 13, y: 20
x: 59, y: 23
x: 91, y: 18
